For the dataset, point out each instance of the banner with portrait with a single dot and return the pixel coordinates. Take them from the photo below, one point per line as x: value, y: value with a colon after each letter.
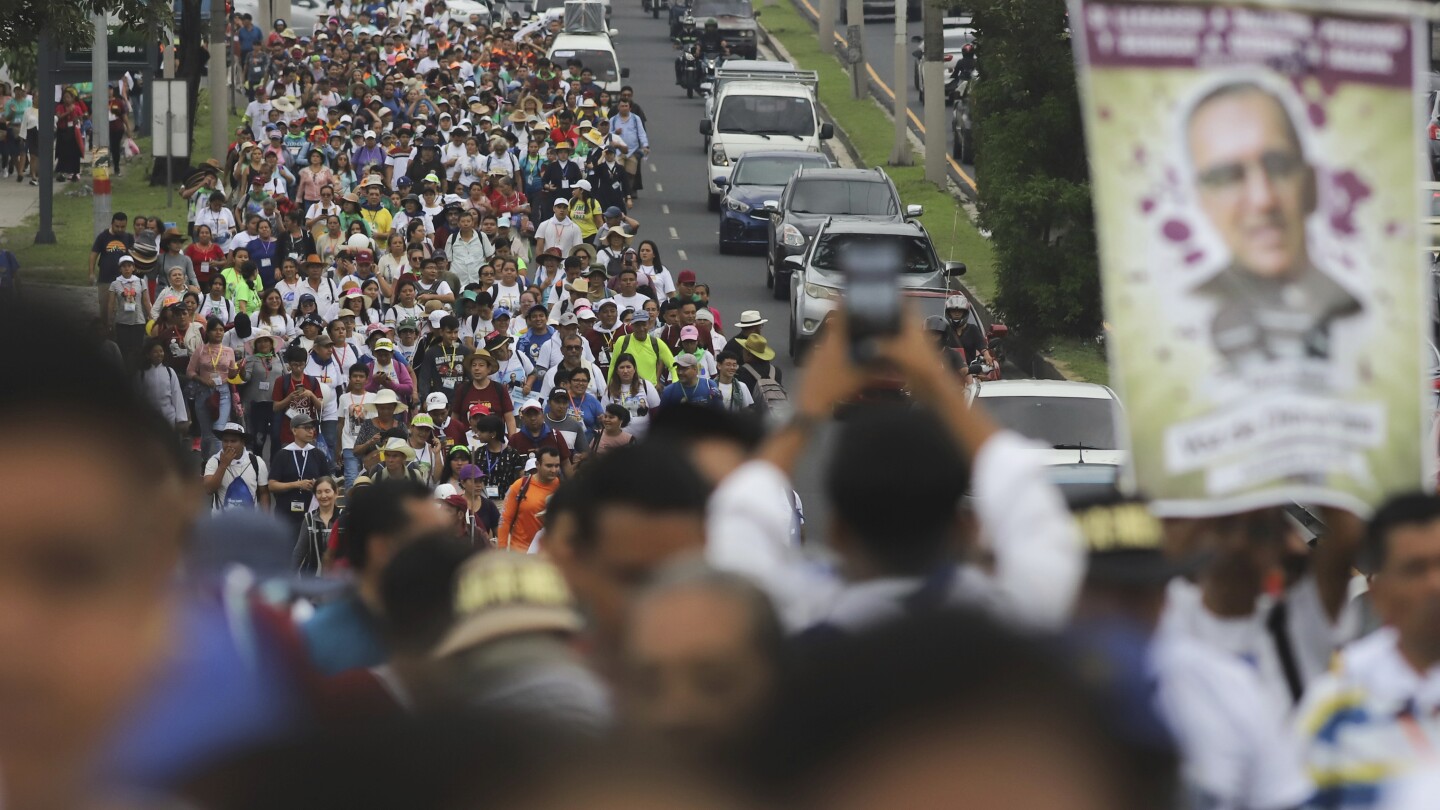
x: 1257, y: 174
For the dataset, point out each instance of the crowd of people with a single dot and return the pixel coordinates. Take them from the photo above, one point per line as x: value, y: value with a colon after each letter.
x: 408, y: 474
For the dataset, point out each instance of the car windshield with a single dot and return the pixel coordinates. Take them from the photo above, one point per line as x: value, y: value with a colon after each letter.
x: 957, y: 38
x: 1065, y: 423
x: 601, y: 62
x: 843, y: 198
x: 830, y: 253
x: 771, y: 171
x: 1083, y: 483
x: 766, y: 115
x: 721, y: 8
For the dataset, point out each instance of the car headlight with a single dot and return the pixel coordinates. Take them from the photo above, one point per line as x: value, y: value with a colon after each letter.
x: 718, y: 157
x: 790, y: 236
x: 736, y: 206
x: 747, y: 34
x: 820, y: 292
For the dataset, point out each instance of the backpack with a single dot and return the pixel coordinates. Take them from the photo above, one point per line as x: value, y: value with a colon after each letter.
x: 770, y: 397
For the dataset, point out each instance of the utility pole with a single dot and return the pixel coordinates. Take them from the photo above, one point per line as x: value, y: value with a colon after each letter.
x: 932, y: 74
x: 855, y: 33
x: 828, y: 10
x: 45, y: 100
x: 900, y: 152
x: 220, y: 100
x: 99, y: 107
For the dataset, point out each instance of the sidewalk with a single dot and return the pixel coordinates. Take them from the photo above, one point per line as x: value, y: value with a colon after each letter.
x: 17, y: 202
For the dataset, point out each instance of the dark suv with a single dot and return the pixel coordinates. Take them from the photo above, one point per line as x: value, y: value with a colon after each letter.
x: 814, y: 195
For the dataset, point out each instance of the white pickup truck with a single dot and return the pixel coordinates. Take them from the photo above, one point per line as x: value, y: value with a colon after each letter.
x: 760, y: 109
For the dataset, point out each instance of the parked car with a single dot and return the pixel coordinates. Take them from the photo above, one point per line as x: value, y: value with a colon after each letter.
x: 958, y: 33
x: 814, y: 195
x: 817, y: 281
x: 758, y: 178
x: 1078, y: 423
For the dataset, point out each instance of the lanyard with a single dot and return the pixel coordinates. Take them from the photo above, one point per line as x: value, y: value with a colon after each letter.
x: 301, y: 462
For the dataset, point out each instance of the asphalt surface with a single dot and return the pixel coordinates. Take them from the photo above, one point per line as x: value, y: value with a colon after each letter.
x: 672, y: 211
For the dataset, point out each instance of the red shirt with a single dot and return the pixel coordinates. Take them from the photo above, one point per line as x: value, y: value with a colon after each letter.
x: 521, y: 441
x: 202, y: 257
x: 495, y: 396
x: 282, y: 389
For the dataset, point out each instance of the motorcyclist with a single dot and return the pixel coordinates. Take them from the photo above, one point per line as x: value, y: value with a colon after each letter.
x: 964, y: 333
x: 685, y: 43
x: 964, y: 70
x: 710, y: 41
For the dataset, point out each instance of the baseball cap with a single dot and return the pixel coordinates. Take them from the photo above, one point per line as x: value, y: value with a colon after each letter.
x: 687, y: 360
x: 584, y: 314
x: 384, y: 345
x: 369, y: 133
x: 235, y: 428
x: 478, y: 409
x: 471, y: 471
x: 500, y: 595
x: 640, y: 316
x: 689, y: 333
x: 533, y: 403
x: 686, y: 277
x: 500, y: 312
x: 302, y: 420
x: 422, y: 420
x: 437, y: 402
x: 568, y: 319
x: 613, y: 211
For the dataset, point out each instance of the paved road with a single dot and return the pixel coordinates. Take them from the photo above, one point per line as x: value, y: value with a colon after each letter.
x: 672, y: 207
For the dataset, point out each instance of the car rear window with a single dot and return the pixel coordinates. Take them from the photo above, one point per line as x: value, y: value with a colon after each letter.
x: 843, y: 198
x: 1059, y: 422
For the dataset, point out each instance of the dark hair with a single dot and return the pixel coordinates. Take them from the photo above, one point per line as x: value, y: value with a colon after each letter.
x: 620, y: 412
x: 378, y: 509
x: 546, y: 450
x: 360, y: 367
x: 562, y: 376
x: 1417, y: 509
x: 490, y: 423
x: 417, y: 590
x: 961, y: 673
x: 119, y: 216
x: 295, y: 354
x: 687, y: 424
x: 449, y: 322
x: 911, y: 536
x: 608, y: 482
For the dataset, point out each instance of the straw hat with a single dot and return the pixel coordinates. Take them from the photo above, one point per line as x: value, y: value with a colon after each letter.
x: 384, y: 397
x: 400, y: 446
x: 758, y: 346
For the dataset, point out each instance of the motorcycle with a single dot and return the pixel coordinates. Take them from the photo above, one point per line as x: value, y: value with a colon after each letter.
x: 709, y: 62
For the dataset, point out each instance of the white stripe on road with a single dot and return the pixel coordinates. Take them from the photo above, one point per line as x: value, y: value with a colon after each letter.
x: 654, y: 168
x: 682, y: 256
x: 665, y: 209
x: 659, y: 188
x: 674, y: 234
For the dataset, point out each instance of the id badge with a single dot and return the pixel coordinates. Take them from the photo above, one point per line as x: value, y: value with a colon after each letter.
x: 264, y: 385
x: 492, y: 492
x: 205, y: 269
x: 297, y: 506
x: 264, y: 262
x: 129, y: 306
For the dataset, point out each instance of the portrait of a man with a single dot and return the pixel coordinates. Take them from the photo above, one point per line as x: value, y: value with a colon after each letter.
x: 1256, y: 187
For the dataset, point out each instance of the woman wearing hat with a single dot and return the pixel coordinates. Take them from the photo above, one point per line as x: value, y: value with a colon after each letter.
x: 380, y: 425
x: 389, y: 372
x: 261, y: 370
x: 616, y: 242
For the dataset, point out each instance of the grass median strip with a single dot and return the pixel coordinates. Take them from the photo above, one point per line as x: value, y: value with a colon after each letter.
x: 65, y: 261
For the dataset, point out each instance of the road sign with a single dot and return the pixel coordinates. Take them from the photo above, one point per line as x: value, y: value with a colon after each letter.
x: 126, y: 49
x: 169, y: 113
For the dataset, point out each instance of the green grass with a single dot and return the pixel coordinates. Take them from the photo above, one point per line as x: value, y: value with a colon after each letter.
x: 871, y: 131
x: 65, y: 261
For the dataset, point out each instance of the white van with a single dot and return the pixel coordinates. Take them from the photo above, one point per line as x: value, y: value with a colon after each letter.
x: 594, y: 52
x: 764, y: 110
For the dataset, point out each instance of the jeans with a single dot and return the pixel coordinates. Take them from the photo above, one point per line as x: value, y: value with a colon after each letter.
x: 352, y: 467
x: 330, y: 438
x: 261, y: 416
x: 209, y: 442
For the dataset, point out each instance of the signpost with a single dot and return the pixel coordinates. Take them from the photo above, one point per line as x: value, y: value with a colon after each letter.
x: 170, y: 123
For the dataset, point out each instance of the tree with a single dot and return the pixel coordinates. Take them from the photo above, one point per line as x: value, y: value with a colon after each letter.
x: 1030, y: 152
x: 69, y: 20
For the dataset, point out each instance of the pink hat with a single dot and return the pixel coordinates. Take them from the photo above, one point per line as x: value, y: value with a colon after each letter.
x: 689, y: 333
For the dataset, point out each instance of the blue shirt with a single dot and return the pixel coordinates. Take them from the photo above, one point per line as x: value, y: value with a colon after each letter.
x: 705, y: 392
x: 588, y: 410
x: 344, y: 635
x: 532, y: 342
x: 249, y: 38
x: 632, y: 132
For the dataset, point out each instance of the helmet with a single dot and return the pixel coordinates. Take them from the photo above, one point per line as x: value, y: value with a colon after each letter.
x: 712, y: 23
x: 935, y: 323
x: 957, y: 302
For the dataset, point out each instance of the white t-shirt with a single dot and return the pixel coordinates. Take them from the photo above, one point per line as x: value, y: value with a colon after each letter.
x: 1237, y: 752
x: 564, y: 235
x: 508, y: 297
x: 249, y: 468
x: 352, y: 408
x: 742, y: 397
x: 1310, y: 632
x: 330, y: 375
x: 659, y: 279
x: 635, y: 302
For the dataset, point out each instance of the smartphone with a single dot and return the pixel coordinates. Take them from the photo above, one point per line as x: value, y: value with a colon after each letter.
x: 872, y: 294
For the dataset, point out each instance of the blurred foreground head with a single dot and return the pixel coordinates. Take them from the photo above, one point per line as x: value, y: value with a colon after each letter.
x: 942, y: 711
x: 95, y: 507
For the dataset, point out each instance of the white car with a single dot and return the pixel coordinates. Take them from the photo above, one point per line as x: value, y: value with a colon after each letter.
x: 595, y: 52
x: 958, y: 34
x: 1079, y: 423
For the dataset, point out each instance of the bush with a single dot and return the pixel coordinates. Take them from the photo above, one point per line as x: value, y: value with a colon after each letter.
x: 1030, y: 155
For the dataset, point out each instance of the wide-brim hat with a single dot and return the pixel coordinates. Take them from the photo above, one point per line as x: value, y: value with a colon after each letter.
x: 595, y: 138
x: 485, y: 355
x: 518, y: 117
x: 758, y: 346
x: 384, y: 397
x: 749, y: 318
x: 285, y: 104
x: 503, y: 594
x: 400, y: 446
x: 496, y: 342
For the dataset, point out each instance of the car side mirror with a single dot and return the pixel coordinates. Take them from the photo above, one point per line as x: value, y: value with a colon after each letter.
x: 827, y: 131
x: 705, y: 127
x: 795, y: 262
x: 913, y: 211
x: 917, y: 53
x: 624, y: 73
x: 721, y: 182
x: 953, y: 269
x: 770, y: 206
x: 614, y: 32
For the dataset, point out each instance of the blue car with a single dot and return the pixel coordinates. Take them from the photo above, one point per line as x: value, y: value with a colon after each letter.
x: 758, y: 178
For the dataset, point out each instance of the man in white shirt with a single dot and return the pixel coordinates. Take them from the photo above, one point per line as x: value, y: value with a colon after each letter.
x: 558, y: 231
x: 235, y: 477
x: 628, y: 297
x: 1375, y: 716
x: 468, y: 250
x: 218, y: 217
x: 553, y: 351
x: 257, y: 113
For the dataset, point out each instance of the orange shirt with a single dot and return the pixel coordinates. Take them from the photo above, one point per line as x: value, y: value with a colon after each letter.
x: 522, y: 521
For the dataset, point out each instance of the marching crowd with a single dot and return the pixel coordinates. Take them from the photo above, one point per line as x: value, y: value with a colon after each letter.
x: 406, y: 473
